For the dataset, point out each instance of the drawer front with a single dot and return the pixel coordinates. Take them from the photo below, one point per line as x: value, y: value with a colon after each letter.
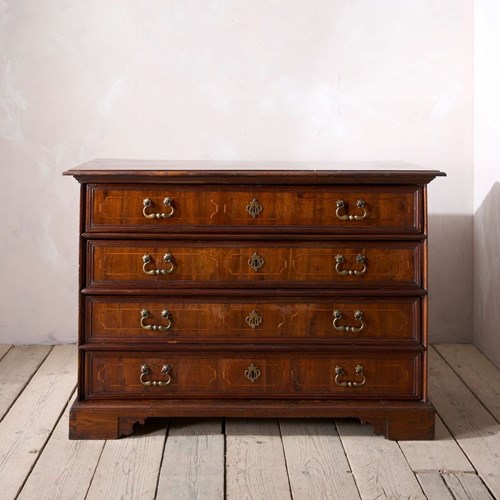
x: 169, y: 320
x: 163, y: 375
x: 348, y: 208
x: 209, y: 264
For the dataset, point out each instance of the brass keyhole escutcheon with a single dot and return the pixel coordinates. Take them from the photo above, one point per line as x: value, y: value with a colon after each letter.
x: 256, y: 261
x: 252, y: 373
x: 253, y: 319
x: 254, y: 208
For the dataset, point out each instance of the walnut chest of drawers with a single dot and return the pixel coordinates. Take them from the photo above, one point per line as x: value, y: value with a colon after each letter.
x: 262, y: 290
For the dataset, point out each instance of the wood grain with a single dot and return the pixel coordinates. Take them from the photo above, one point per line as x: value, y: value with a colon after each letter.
x: 193, y: 461
x: 213, y: 207
x: 434, y: 486
x: 379, y: 466
x: 255, y: 461
x: 114, y: 319
x: 26, y: 428
x: 4, y: 349
x: 285, y: 248
x: 315, y: 460
x: 128, y: 468
x: 311, y: 458
x: 253, y: 172
x: 442, y: 454
x: 12, y: 379
x: 221, y: 264
x: 223, y: 375
x: 65, y: 469
x: 477, y: 371
x: 466, y: 486
x: 474, y: 428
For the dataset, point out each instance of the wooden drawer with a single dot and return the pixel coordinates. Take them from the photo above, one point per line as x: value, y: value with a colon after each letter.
x: 254, y: 375
x: 169, y: 264
x: 344, y: 208
x: 171, y: 320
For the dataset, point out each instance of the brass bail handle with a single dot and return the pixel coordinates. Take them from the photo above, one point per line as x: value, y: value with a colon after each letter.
x: 360, y: 371
x: 360, y: 259
x: 145, y: 371
x: 341, y: 207
x: 147, y: 260
x: 167, y: 202
x: 358, y: 316
x: 165, y: 314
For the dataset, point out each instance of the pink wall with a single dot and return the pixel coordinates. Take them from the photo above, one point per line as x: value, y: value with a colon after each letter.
x: 199, y: 79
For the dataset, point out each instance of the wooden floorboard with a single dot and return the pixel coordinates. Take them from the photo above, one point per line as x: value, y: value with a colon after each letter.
x: 475, y: 429
x: 255, y: 461
x: 216, y: 459
x: 193, y: 461
x: 434, y: 486
x: 129, y: 468
x: 466, y: 486
x: 65, y: 468
x: 378, y: 464
x: 477, y: 372
x: 4, y: 349
x: 12, y: 378
x: 31, y: 419
x: 316, y: 461
x: 442, y: 454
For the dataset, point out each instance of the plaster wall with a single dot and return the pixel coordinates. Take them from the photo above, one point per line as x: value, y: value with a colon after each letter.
x: 487, y: 179
x: 229, y: 80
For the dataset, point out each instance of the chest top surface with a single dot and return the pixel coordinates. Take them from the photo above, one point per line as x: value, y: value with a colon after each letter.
x: 252, y: 172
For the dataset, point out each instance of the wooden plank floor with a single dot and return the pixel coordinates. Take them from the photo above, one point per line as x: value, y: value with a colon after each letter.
x: 236, y: 459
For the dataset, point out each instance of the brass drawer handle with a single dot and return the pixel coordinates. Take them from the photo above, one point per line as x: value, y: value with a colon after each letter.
x: 145, y: 370
x: 256, y: 261
x: 167, y: 202
x: 252, y: 373
x: 253, y: 319
x: 167, y: 259
x: 254, y: 208
x: 165, y: 314
x: 339, y: 372
x: 360, y: 259
x: 341, y: 207
x: 358, y: 315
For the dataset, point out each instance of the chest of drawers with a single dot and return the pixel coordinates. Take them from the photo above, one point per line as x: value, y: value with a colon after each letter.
x: 255, y: 290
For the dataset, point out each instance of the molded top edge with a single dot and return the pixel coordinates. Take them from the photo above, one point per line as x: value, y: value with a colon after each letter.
x: 265, y: 171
